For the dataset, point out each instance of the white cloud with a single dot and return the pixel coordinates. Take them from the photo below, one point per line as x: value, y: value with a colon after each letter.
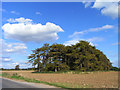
x: 1, y: 65
x: 107, y: 8
x: 101, y: 1
x: 15, y: 63
x: 1, y: 41
x: 14, y: 12
x: 115, y: 62
x: 12, y: 47
x: 71, y: 42
x: 118, y: 43
x: 19, y: 20
x: 87, y: 4
x: 5, y: 59
x: 15, y: 47
x: 27, y: 32
x: 105, y: 27
x: 101, y: 28
x: 38, y: 13
x: 12, y: 65
x: 95, y: 39
x: 91, y: 40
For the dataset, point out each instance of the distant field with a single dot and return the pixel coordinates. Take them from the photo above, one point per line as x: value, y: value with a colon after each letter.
x: 82, y: 80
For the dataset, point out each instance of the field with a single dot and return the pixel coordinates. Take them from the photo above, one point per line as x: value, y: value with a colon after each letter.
x: 81, y: 80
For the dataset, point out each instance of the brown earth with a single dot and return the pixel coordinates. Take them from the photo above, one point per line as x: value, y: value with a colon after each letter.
x: 92, y: 80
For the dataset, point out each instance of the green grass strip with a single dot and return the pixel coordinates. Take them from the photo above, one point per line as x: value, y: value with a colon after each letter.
x: 32, y: 80
x: 61, y: 85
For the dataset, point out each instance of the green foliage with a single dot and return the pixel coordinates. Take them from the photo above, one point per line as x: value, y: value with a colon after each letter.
x: 57, y: 57
x: 115, y: 69
x: 17, y: 67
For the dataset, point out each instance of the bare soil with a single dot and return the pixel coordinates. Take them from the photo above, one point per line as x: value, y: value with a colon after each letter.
x: 92, y: 80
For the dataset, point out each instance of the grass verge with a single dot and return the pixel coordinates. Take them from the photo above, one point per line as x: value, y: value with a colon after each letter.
x: 61, y: 85
x: 70, y: 72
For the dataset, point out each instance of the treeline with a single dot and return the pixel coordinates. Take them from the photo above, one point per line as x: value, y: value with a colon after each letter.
x: 112, y: 69
x: 81, y: 56
x: 19, y: 69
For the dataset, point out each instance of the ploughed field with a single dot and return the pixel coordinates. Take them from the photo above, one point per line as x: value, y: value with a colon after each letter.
x: 86, y: 80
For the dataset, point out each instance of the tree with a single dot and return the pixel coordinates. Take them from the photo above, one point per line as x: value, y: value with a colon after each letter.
x: 81, y: 56
x: 17, y: 67
x: 115, y: 69
x: 69, y: 56
x: 35, y: 58
x: 44, y: 54
x: 88, y: 58
x: 56, y: 53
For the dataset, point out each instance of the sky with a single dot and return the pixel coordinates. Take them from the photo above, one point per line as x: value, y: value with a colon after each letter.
x: 28, y: 25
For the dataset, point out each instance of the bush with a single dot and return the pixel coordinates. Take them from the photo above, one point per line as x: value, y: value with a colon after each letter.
x: 115, y: 69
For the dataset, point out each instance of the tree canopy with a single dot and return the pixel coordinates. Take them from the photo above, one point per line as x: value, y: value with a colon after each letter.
x: 81, y: 56
x: 17, y: 67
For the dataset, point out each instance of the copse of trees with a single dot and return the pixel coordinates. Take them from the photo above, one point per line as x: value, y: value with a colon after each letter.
x: 81, y: 56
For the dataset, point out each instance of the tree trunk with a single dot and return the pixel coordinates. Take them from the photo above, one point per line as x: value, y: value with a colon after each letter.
x: 81, y: 65
x: 38, y: 67
x: 55, y: 69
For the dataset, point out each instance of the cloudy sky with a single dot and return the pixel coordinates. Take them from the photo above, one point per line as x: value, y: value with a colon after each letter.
x: 27, y: 26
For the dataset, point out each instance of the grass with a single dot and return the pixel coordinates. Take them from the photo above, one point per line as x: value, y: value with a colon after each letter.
x: 5, y: 75
x: 70, y: 72
x: 52, y: 72
x: 61, y: 85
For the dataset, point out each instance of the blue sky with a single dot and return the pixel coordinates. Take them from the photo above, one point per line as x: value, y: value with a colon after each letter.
x: 26, y: 26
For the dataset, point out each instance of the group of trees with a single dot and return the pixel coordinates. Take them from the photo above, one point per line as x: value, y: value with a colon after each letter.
x: 81, y: 56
